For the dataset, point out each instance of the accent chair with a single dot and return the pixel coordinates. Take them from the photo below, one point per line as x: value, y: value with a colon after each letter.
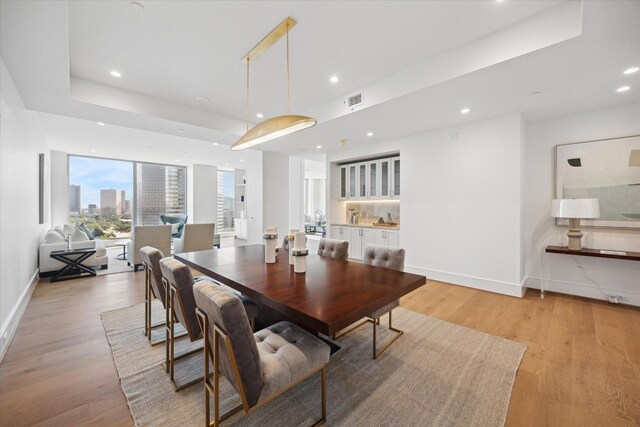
x: 177, y: 223
x: 156, y: 236
x: 196, y: 237
x: 259, y: 366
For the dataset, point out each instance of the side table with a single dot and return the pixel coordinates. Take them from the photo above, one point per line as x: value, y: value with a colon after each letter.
x: 74, y: 268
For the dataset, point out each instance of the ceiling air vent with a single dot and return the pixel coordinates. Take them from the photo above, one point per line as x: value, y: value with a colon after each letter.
x: 355, y: 100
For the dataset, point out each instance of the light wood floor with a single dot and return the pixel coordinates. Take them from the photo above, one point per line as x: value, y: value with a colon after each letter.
x: 582, y: 365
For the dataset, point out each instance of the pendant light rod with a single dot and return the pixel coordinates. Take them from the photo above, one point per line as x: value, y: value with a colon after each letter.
x: 270, y: 39
x: 248, y: 95
x: 288, y: 80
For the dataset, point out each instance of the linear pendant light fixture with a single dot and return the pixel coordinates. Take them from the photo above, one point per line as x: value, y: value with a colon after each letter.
x: 277, y: 126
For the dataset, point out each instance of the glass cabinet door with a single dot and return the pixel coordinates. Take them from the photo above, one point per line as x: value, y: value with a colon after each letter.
x: 343, y: 182
x: 385, y: 174
x: 352, y: 181
x: 373, y: 179
x: 362, y: 182
x: 396, y: 177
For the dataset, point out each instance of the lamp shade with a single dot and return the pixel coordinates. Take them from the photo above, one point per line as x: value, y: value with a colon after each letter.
x: 575, y: 208
x: 272, y: 129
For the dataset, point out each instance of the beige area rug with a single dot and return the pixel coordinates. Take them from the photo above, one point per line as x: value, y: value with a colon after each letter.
x: 115, y: 265
x: 436, y: 374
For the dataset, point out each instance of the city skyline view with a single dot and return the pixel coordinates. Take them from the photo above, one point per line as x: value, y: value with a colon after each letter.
x: 94, y: 175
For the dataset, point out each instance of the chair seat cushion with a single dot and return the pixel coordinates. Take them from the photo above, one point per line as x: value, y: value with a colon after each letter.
x: 288, y: 353
x: 384, y: 310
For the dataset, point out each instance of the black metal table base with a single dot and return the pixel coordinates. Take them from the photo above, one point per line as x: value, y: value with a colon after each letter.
x: 74, y: 267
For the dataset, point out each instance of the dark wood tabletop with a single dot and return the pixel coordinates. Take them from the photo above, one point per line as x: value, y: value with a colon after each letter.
x: 330, y: 296
x: 609, y: 253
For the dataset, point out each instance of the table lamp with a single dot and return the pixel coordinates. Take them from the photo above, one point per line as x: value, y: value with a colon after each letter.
x: 575, y: 210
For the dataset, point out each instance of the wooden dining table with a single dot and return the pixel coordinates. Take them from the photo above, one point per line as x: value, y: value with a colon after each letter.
x: 330, y: 296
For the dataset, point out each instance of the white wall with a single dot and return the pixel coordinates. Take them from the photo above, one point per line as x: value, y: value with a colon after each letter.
x: 462, y: 221
x: 563, y: 272
x: 275, y: 192
x: 21, y: 140
x: 59, y: 188
x: 296, y: 193
x: 205, y: 194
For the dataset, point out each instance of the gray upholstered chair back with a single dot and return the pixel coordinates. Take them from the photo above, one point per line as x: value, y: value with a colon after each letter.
x: 227, y: 311
x: 333, y: 248
x: 179, y: 275
x: 383, y: 256
x: 151, y: 257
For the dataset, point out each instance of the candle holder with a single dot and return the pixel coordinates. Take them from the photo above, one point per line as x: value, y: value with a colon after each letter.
x: 300, y: 260
x: 270, y: 240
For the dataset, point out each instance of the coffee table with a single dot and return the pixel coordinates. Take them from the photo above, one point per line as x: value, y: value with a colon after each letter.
x: 330, y: 296
x: 73, y: 268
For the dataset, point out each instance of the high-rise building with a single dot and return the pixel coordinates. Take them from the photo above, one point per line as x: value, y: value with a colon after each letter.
x: 161, y: 190
x: 127, y: 207
x: 74, y: 199
x: 176, y: 183
x: 92, y: 209
x: 112, y: 202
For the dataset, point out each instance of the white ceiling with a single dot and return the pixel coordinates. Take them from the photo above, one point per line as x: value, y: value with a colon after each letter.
x: 60, y: 56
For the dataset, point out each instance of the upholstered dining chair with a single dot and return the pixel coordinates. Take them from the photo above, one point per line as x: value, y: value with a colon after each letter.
x: 153, y: 287
x: 393, y: 259
x: 259, y: 366
x: 178, y: 282
x: 333, y: 248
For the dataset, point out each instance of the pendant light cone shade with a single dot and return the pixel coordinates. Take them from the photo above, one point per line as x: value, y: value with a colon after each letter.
x: 273, y: 128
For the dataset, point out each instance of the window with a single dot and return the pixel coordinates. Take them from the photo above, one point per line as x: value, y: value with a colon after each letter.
x: 101, y: 194
x: 161, y: 190
x: 226, y: 196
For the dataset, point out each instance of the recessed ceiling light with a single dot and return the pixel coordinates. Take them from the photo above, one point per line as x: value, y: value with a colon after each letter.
x: 464, y: 111
x: 215, y: 143
x: 115, y: 73
x: 631, y: 70
x: 226, y: 164
x: 369, y: 133
x: 537, y: 92
x: 93, y: 151
x: 136, y: 6
x: 334, y: 79
x: 177, y: 160
x: 202, y: 99
x: 180, y: 130
x: 623, y: 88
x: 100, y: 123
x: 318, y: 146
x: 259, y: 115
x: 242, y: 160
x: 499, y: 1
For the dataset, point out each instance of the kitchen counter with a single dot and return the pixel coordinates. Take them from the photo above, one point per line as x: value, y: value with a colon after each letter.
x: 366, y: 226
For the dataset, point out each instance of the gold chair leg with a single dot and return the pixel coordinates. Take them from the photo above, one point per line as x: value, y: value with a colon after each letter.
x: 377, y: 354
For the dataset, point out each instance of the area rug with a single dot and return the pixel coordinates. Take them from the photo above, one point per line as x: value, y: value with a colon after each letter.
x: 116, y: 265
x: 436, y: 374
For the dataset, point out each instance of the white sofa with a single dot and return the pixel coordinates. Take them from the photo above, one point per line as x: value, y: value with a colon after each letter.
x: 56, y: 240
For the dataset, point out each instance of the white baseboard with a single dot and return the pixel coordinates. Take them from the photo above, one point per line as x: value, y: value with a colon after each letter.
x: 10, y: 327
x: 511, y: 289
x: 584, y: 290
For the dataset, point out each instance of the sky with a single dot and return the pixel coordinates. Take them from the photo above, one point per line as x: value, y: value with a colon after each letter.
x: 94, y: 175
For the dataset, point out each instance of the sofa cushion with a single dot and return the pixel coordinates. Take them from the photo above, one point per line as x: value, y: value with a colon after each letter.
x: 53, y: 236
x: 88, y: 232
x: 78, y: 235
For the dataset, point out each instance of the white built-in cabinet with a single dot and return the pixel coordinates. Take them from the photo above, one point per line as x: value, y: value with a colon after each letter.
x: 360, y: 237
x: 372, y: 179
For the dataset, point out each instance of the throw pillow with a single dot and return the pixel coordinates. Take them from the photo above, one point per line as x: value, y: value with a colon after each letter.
x: 53, y: 236
x: 88, y: 232
x: 67, y: 230
x: 78, y: 235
